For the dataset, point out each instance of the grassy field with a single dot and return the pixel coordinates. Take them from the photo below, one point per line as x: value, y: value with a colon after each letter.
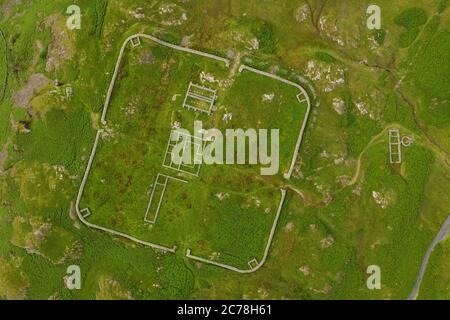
x: 436, y: 282
x: 346, y: 206
x: 201, y: 214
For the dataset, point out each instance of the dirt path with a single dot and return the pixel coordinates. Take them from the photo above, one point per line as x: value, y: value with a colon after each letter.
x: 5, y: 61
x: 316, y: 13
x: 419, y: 125
x: 358, y: 163
x: 374, y: 139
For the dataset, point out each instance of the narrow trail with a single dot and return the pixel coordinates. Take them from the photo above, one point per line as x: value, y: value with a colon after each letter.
x: 5, y: 78
x: 420, y: 126
x: 315, y: 18
x: 391, y: 68
x: 325, y: 202
x: 374, y: 139
x: 359, y: 161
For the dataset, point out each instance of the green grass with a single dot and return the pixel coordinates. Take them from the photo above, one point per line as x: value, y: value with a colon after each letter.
x: 379, y: 36
x: 62, y: 133
x: 3, y: 65
x: 325, y: 57
x: 388, y: 237
x: 435, y: 284
x: 411, y: 18
x: 53, y: 141
x: 442, y: 5
x: 142, y: 135
x: 13, y: 281
x: 408, y: 37
x: 99, y: 17
x: 431, y: 72
x: 265, y: 36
